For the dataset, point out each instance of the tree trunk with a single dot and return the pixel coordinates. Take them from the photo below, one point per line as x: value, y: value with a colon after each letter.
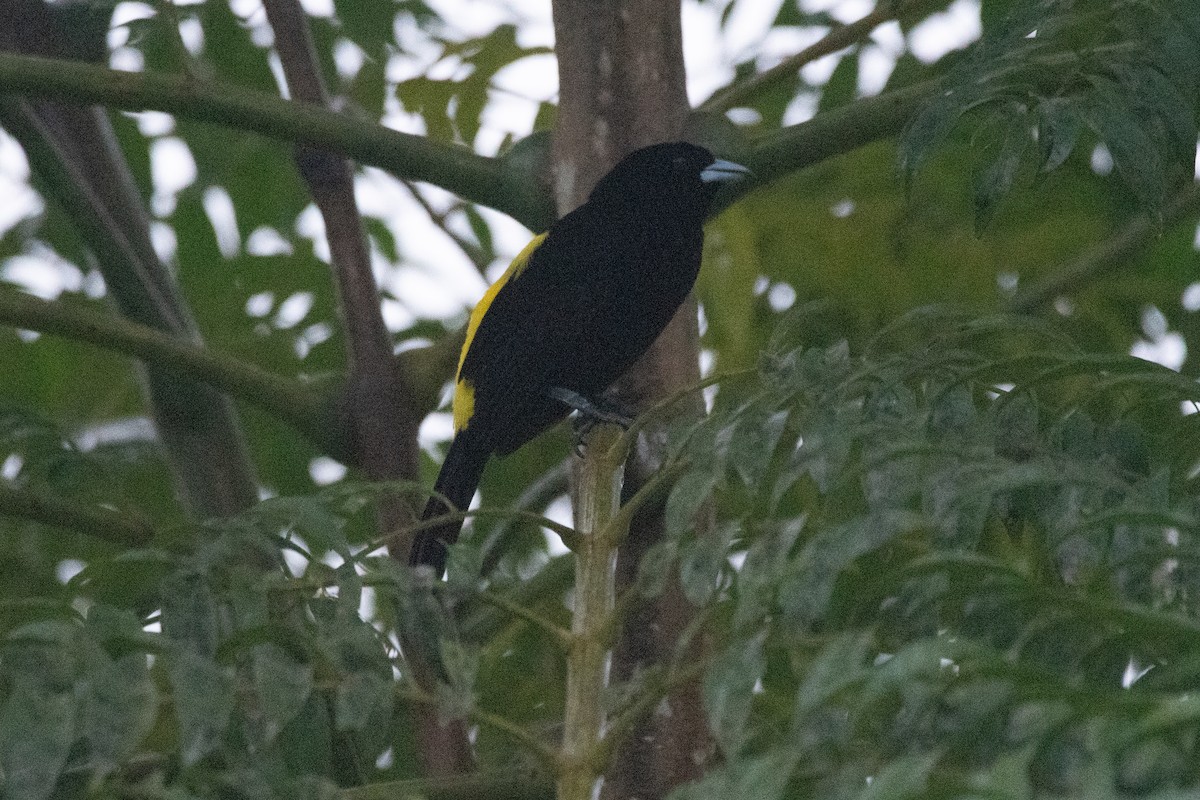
x: 621, y: 87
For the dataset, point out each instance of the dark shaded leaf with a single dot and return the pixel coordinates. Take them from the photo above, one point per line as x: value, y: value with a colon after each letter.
x: 37, y: 727
x: 283, y: 685
x: 729, y: 687
x: 1058, y: 132
x: 202, y: 695
x: 996, y: 179
x: 118, y: 706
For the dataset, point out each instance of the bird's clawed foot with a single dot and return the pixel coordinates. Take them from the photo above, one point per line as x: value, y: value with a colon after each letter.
x: 591, y: 413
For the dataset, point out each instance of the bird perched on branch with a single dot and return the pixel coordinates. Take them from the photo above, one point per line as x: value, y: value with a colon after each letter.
x: 575, y: 309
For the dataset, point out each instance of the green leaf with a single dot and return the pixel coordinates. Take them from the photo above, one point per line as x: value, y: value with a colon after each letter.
x: 118, y: 706
x: 702, y: 560
x: 729, y: 691
x: 307, y: 746
x: 953, y: 413
x: 131, y: 579
x: 805, y: 595
x: 190, y: 612
x: 764, y: 777
x: 996, y: 179
x: 766, y: 562
x: 480, y: 229
x: 1164, y: 105
x: 904, y: 777
x: 1058, y: 132
x: 995, y: 15
x: 1017, y: 433
x: 926, y: 131
x: 687, y: 497
x: 37, y: 728
x: 842, y: 86
x: 754, y: 441
x: 310, y: 517
x: 1137, y: 159
x: 202, y: 692
x: 359, y: 697
x: 837, y: 667
x: 282, y: 684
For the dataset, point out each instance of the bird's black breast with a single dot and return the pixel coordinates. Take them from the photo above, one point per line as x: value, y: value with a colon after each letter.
x: 593, y: 297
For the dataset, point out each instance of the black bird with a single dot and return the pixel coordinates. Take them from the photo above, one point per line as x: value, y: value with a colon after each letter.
x: 572, y: 312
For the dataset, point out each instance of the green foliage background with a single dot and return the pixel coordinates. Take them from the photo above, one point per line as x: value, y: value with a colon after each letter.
x: 953, y: 552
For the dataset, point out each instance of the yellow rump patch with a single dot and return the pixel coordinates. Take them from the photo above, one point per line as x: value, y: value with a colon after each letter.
x: 464, y: 404
x: 464, y: 392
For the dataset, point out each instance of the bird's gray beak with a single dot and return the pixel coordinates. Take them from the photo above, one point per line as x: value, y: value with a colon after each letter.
x: 722, y: 170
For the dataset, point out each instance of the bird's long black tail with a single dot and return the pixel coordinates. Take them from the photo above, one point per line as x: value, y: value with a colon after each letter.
x: 457, y: 482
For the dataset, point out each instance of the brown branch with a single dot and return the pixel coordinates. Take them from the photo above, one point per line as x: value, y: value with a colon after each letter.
x: 375, y: 400
x: 827, y: 135
x: 622, y: 86
x: 286, y: 399
x: 377, y: 403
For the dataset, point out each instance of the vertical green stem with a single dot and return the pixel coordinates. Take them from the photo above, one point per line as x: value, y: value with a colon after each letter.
x: 596, y: 501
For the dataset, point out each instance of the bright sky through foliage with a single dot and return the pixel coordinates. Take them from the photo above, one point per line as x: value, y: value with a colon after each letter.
x: 442, y: 283
x: 436, y: 279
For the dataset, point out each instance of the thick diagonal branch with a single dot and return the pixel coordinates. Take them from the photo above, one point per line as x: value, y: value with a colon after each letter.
x: 455, y: 168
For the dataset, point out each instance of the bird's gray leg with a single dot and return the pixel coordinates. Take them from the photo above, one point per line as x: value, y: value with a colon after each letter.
x: 598, y: 410
x: 591, y: 412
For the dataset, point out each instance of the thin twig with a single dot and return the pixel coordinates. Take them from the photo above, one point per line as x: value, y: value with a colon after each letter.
x: 570, y: 537
x: 618, y: 527
x: 510, y: 785
x: 538, y: 494
x: 480, y: 622
x: 471, y: 250
x: 120, y: 527
x: 543, y: 752
x: 560, y: 635
x: 837, y: 39
x: 668, y: 403
x: 1129, y: 241
x: 623, y: 723
x: 382, y: 427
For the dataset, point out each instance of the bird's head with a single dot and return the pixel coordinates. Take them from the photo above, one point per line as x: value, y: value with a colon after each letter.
x: 674, y: 175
